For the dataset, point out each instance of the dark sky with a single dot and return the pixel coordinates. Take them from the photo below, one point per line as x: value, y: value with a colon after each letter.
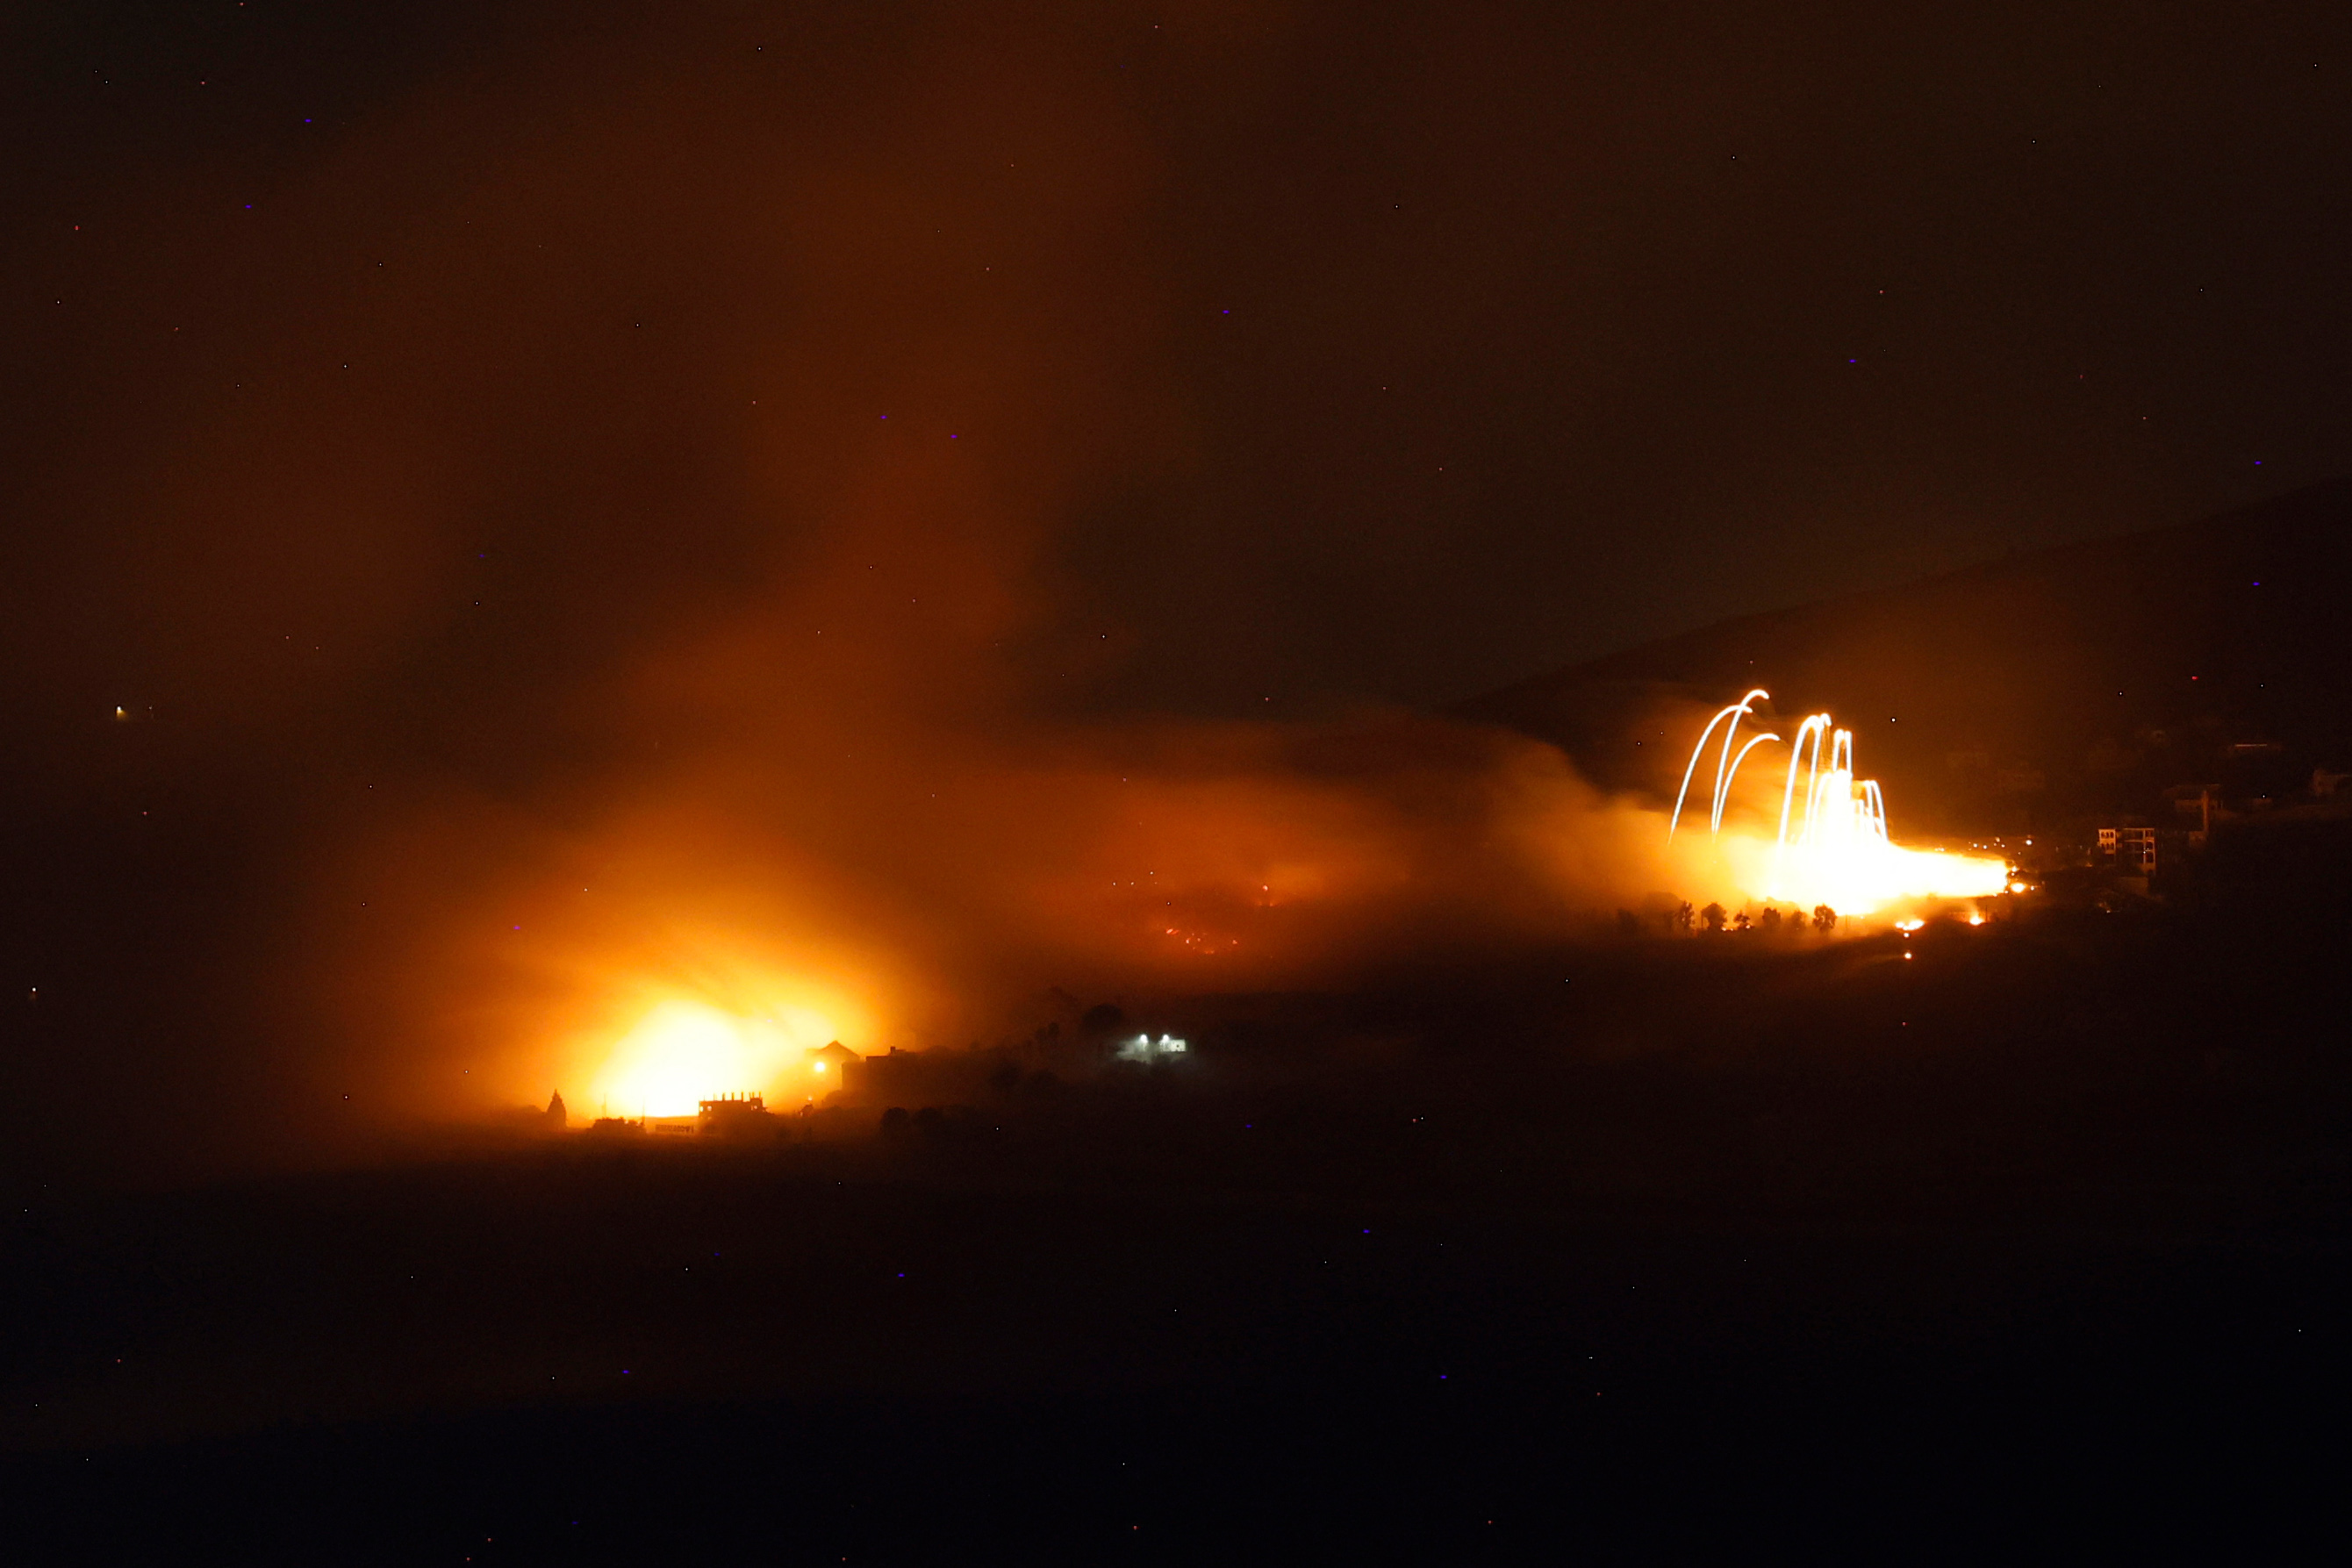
x: 1449, y: 342
x: 571, y: 490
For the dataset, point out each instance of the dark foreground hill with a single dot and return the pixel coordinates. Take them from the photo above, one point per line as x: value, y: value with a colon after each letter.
x: 2025, y: 691
x: 1678, y: 1250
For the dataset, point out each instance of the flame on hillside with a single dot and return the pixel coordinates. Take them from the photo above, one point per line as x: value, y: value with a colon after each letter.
x: 1830, y: 844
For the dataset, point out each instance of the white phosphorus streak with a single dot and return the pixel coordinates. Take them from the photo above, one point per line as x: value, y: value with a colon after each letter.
x: 1837, y: 849
x: 1735, y: 713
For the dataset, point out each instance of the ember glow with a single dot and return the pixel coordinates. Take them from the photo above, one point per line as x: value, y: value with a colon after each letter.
x: 1830, y: 844
x: 673, y: 1058
x: 681, y: 1052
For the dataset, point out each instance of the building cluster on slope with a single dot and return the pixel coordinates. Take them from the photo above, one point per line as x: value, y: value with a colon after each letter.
x: 1098, y: 1040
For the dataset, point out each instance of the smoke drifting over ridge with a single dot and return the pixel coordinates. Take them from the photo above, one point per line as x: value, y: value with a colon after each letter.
x: 1169, y: 857
x: 613, y: 549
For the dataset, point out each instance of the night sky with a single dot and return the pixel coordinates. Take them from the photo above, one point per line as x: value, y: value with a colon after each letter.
x: 1365, y: 350
x: 803, y: 469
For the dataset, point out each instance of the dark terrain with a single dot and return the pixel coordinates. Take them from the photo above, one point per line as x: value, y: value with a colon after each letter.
x: 2030, y: 1242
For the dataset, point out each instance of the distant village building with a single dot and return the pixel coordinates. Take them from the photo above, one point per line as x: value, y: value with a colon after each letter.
x: 735, y: 1115
x: 893, y: 1074
x: 2195, y: 800
x: 833, y: 1068
x: 2131, y: 851
x: 557, y: 1116
x: 1143, y: 1048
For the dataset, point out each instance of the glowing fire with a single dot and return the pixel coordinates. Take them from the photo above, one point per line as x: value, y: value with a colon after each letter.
x: 682, y: 1053
x: 1831, y: 845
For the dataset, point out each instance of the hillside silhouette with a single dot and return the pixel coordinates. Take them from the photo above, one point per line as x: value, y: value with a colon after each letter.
x: 2026, y: 692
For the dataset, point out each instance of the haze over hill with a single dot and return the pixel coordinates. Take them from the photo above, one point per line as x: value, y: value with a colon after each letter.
x: 2023, y: 692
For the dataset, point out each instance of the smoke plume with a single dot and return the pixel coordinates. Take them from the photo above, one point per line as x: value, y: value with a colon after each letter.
x: 630, y: 558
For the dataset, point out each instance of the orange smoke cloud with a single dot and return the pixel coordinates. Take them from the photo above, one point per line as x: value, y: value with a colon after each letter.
x: 901, y: 884
x: 679, y: 534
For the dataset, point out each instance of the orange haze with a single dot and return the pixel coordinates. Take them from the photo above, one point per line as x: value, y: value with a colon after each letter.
x: 637, y: 528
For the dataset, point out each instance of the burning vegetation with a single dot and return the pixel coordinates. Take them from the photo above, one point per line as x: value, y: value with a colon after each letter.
x: 1272, y: 858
